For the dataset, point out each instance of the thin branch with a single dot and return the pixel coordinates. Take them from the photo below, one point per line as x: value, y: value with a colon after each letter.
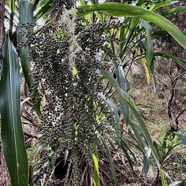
x: 31, y: 135
x: 177, y: 117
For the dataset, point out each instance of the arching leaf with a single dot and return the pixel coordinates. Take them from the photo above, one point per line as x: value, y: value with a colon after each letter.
x: 174, y: 10
x: 136, y: 114
x: 118, y: 9
x: 179, y: 61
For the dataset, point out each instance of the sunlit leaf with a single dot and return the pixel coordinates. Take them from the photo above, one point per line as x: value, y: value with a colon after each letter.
x: 166, y: 142
x: 147, y: 73
x: 82, y: 2
x: 96, y: 170
x: 162, y: 175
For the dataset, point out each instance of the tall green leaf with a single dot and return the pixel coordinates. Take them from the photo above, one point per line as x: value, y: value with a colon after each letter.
x: 138, y: 117
x: 126, y: 149
x: 129, y: 34
x: 122, y: 83
x: 11, y: 128
x: 118, y: 9
x: 174, y: 10
x: 26, y: 10
x: 162, y: 4
x: 149, y: 46
x: 111, y: 162
x: 45, y: 7
x: 137, y: 135
x: 113, y: 109
x: 26, y: 17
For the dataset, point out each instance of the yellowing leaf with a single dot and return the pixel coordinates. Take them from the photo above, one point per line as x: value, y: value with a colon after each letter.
x: 143, y: 60
x: 96, y: 170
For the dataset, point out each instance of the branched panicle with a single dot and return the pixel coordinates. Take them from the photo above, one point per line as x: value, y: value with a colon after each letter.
x: 67, y: 73
x: 61, y: 5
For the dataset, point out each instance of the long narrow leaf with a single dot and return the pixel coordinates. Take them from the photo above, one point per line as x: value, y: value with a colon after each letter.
x: 161, y: 4
x: 179, y: 61
x: 162, y: 175
x: 113, y: 109
x: 112, y: 168
x: 26, y: 10
x: 96, y: 170
x: 131, y: 105
x: 174, y: 10
x: 137, y: 134
x: 144, y: 62
x: 130, y: 35
x: 118, y: 9
x: 26, y: 17
x: 146, y: 160
x: 11, y: 128
x: 46, y: 8
x: 122, y: 83
x: 149, y: 46
x: 120, y: 141
x: 125, y: 149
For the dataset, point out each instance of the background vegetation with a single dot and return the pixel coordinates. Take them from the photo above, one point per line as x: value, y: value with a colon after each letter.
x: 92, y: 92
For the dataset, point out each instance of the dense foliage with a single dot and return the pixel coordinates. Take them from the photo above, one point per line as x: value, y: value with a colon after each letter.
x: 74, y: 67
